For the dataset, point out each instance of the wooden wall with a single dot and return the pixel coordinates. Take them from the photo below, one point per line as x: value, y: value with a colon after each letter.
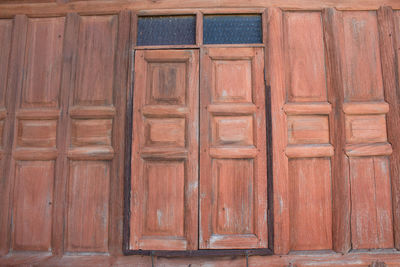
x: 335, y: 96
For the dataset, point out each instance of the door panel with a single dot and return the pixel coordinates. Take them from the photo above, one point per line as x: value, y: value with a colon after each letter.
x: 164, y: 202
x: 233, y: 179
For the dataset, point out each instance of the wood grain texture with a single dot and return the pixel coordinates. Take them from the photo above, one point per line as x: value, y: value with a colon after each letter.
x: 304, y: 46
x: 333, y: 36
x: 6, y: 28
x: 355, y: 259
x: 275, y: 74
x: 105, y: 7
x: 164, y: 163
x: 97, y: 45
x: 389, y: 37
x: 61, y: 173
x: 363, y: 75
x: 371, y: 221
x: 33, y: 199
x: 41, y: 85
x: 87, y: 215
x: 310, y: 204
x: 14, y: 80
x: 233, y: 182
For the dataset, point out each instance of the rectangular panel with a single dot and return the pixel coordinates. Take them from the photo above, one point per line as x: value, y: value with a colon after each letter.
x: 308, y: 129
x: 230, y: 130
x: 371, y: 216
x: 164, y: 203
x: 6, y: 26
x: 37, y: 133
x: 233, y: 81
x: 164, y: 165
x: 32, y: 212
x: 91, y: 132
x: 305, y: 59
x: 233, y: 188
x: 365, y: 129
x: 166, y: 30
x: 165, y: 132
x: 363, y: 73
x: 95, y: 63
x: 310, y: 204
x: 233, y: 175
x: 43, y: 59
x: 87, y: 206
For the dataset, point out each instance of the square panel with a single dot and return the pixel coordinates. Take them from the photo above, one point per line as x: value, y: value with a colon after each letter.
x: 232, y: 130
x: 165, y: 132
x: 233, y: 82
x: 167, y: 81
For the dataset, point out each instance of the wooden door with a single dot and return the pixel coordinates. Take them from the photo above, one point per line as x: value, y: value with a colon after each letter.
x: 164, y: 190
x: 233, y: 178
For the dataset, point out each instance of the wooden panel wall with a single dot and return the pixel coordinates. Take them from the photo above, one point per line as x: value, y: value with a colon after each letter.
x: 329, y: 103
x: 66, y: 83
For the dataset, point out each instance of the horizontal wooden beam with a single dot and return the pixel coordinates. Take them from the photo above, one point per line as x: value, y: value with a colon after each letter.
x: 389, y: 257
x: 59, y: 8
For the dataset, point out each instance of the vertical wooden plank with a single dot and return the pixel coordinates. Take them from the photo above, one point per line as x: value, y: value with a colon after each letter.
x: 333, y: 37
x: 91, y: 153
x: 67, y: 80
x: 34, y: 146
x: 389, y: 37
x: 14, y: 81
x: 309, y: 173
x: 363, y: 93
x: 118, y: 137
x: 276, y: 79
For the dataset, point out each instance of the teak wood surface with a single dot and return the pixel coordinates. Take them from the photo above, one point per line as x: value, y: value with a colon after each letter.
x: 67, y: 95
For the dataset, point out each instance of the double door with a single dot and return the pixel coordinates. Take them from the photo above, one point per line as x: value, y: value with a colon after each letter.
x: 198, y: 166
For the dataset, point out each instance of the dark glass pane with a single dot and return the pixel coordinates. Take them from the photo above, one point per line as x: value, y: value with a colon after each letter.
x: 232, y: 29
x: 166, y: 30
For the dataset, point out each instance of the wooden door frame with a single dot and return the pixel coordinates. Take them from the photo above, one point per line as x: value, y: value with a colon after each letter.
x: 127, y: 179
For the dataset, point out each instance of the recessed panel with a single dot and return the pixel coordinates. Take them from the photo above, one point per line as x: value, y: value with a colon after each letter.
x: 164, y: 198
x: 365, y: 129
x: 305, y: 57
x: 167, y: 82
x: 88, y: 206
x: 310, y: 201
x: 308, y: 129
x: 371, y: 204
x: 234, y: 192
x: 6, y: 26
x: 43, y: 60
x: 363, y: 73
x: 232, y: 130
x: 165, y: 132
x: 233, y: 81
x: 91, y: 132
x: 95, y: 60
x: 37, y: 133
x: 33, y: 205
